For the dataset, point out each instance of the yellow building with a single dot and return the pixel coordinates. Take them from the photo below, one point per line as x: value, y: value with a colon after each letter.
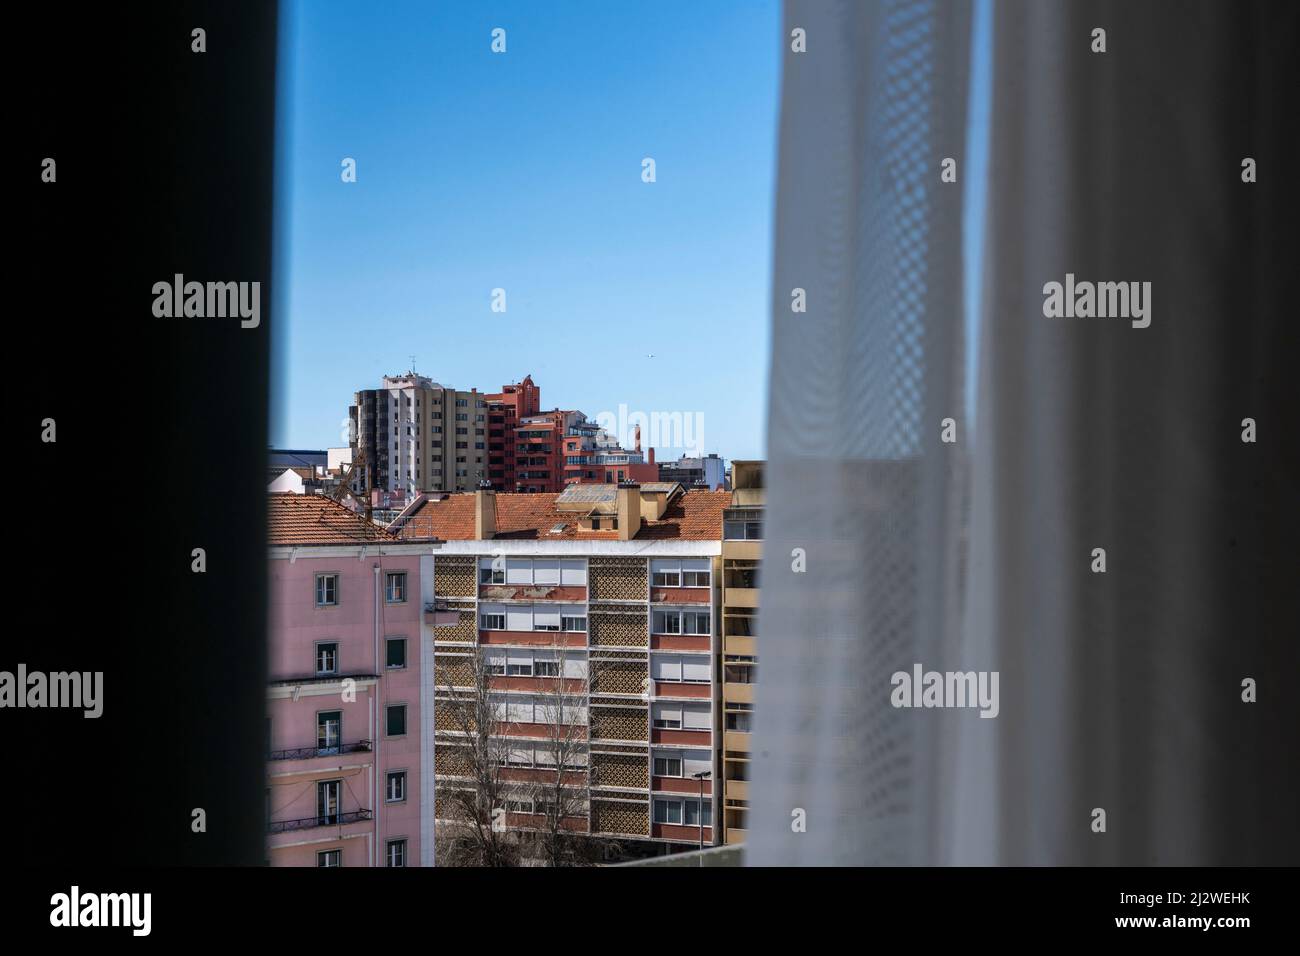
x: 742, y: 551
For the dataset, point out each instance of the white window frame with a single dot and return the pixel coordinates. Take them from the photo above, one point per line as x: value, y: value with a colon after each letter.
x: 326, y: 672
x: 573, y: 572
x: 681, y: 767
x: 389, y: 777
x: 400, y: 845
x: 488, y: 574
x: 668, y: 807
x: 667, y: 717
x: 331, y: 576
x: 401, y: 578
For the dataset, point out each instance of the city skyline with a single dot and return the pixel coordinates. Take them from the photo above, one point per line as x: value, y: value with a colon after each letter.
x: 478, y: 171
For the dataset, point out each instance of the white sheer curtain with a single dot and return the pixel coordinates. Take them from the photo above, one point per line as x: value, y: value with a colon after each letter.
x: 1117, y: 690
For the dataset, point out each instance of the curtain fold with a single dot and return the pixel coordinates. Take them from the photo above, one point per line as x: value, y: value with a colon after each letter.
x: 1120, y: 690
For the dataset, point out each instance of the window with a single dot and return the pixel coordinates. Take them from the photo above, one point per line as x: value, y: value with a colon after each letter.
x: 682, y: 622
x: 329, y: 731
x: 327, y: 659
x: 397, y: 853
x: 688, y: 812
x: 395, y: 787
x: 695, y: 622
x: 741, y: 524
x: 395, y: 587
x: 490, y: 574
x: 667, y: 717
x: 395, y: 720
x: 519, y: 664
x: 668, y: 811
x: 691, y: 810
x: 573, y: 623
x: 668, y: 766
x: 329, y: 858
x: 667, y: 622
x: 492, y: 622
x: 667, y: 579
x: 546, y: 571
x: 738, y: 673
x: 546, y: 668
x: 395, y: 652
x: 740, y: 720
x: 327, y: 801
x: 696, y: 578
x: 327, y: 590
x: 519, y: 571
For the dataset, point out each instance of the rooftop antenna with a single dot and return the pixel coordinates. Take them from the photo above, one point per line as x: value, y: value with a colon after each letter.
x: 412, y: 364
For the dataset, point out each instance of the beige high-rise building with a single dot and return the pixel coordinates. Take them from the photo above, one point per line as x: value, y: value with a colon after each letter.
x: 419, y: 436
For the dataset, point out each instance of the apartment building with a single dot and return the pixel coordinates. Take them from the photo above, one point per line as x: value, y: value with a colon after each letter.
x: 608, y: 594
x: 692, y: 470
x: 539, y: 450
x: 505, y: 409
x: 742, y: 552
x: 419, y: 436
x: 593, y: 456
x: 343, y: 727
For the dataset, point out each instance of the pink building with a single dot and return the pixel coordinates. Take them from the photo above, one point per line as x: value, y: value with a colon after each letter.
x: 343, y: 778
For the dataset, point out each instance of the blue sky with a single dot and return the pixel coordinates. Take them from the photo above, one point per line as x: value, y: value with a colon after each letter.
x: 523, y: 171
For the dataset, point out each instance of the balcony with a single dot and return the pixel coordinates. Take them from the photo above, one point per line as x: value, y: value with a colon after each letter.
x: 740, y: 597
x: 307, y: 753
x: 736, y: 789
x: 736, y: 740
x: 321, y: 820
x: 738, y: 693
x: 739, y: 644
x: 440, y: 614
x: 740, y: 549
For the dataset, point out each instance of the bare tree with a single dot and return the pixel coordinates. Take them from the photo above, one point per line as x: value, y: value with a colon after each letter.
x: 473, y: 831
x: 561, y: 797
x: 546, y: 796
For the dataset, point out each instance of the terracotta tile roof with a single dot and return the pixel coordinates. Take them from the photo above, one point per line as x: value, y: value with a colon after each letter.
x: 695, y: 516
x: 315, y: 519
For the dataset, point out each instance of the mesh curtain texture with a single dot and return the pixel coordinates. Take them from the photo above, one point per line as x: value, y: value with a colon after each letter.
x: 1118, y: 690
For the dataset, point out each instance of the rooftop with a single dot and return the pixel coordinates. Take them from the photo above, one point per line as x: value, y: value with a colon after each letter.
x: 316, y: 519
x: 696, y: 515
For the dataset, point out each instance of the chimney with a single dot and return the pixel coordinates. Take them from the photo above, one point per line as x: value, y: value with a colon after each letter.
x: 485, y: 514
x: 652, y: 456
x: 628, y: 499
x: 638, y: 438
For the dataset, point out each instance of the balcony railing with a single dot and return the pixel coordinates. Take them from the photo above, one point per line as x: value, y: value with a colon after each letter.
x: 321, y: 820
x: 305, y: 753
x: 440, y: 614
